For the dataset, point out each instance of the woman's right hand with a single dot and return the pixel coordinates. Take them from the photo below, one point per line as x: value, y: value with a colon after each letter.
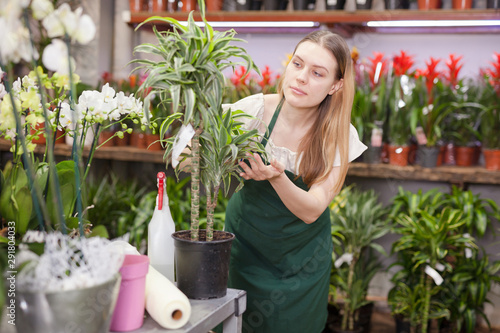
x: 258, y: 170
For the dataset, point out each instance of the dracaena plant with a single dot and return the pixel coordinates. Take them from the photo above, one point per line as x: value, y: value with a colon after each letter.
x: 432, y: 231
x: 190, y: 73
x: 359, y: 220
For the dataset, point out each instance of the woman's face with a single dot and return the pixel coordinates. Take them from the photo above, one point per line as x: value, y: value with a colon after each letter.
x: 310, y: 76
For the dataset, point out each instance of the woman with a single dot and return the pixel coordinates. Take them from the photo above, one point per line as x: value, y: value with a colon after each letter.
x: 282, y: 252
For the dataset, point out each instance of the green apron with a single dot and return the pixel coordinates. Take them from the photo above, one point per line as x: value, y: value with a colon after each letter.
x: 283, y: 263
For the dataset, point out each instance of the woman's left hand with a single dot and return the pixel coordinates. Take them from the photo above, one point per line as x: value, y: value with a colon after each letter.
x: 260, y: 171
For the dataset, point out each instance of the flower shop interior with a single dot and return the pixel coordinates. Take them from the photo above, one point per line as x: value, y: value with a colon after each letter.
x: 415, y: 195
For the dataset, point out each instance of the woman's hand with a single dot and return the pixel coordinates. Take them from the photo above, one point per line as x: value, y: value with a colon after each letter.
x: 260, y: 171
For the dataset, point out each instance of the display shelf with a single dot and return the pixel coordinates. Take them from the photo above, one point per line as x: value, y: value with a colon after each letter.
x: 128, y: 154
x: 450, y: 174
x: 341, y: 18
x: 457, y: 175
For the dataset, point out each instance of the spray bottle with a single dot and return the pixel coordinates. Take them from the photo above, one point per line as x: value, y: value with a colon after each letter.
x: 160, y: 230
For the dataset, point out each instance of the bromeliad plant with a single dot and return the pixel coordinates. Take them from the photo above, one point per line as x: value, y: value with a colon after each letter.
x: 490, y: 99
x: 189, y: 74
x: 400, y: 87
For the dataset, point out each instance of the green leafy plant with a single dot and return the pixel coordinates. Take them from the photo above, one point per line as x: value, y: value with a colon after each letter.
x: 490, y: 116
x: 359, y: 220
x: 190, y: 74
x: 466, y: 288
x: 431, y: 233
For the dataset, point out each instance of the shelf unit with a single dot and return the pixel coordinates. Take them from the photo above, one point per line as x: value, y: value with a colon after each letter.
x: 348, y: 21
x: 450, y: 174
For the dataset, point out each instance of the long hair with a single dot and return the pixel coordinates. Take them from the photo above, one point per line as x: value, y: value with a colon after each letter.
x: 330, y: 131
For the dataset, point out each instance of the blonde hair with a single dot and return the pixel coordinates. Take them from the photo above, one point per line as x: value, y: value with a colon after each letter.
x: 330, y: 131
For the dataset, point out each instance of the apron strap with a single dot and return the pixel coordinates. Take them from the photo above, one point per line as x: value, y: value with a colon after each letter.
x: 272, y: 123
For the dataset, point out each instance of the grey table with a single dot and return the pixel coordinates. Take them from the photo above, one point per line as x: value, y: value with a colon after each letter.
x: 206, y: 314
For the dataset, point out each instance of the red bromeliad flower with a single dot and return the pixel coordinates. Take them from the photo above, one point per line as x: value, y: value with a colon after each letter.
x: 239, y: 78
x: 377, y: 67
x: 493, y: 74
x: 402, y: 63
x: 266, y: 78
x: 453, y: 70
x: 430, y: 74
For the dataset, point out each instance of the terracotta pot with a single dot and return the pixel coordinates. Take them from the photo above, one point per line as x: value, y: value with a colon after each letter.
x: 448, y: 157
x: 491, y: 159
x: 41, y: 137
x: 214, y: 5
x: 464, y: 156
x: 104, y: 136
x: 188, y: 5
x: 136, y: 5
x: 462, y: 4
x: 153, y: 143
x: 157, y: 5
x: 122, y: 142
x: 138, y: 140
x: 398, y: 155
x: 429, y: 4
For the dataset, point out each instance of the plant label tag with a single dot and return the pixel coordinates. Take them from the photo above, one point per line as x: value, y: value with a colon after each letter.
x: 345, y: 258
x: 434, y: 275
x: 421, y: 138
x: 376, y: 139
x: 185, y: 135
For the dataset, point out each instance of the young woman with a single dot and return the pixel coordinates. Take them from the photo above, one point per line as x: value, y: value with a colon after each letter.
x: 282, y: 252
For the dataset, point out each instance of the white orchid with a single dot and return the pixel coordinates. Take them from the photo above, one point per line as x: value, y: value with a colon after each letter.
x: 55, y: 57
x: 3, y: 91
x: 41, y: 8
x: 79, y: 27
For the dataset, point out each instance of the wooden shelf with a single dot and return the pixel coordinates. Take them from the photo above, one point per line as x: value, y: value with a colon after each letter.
x: 128, y: 154
x: 448, y: 174
x: 340, y: 18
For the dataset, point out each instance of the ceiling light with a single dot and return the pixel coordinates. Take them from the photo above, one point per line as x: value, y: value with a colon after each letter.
x: 433, y: 23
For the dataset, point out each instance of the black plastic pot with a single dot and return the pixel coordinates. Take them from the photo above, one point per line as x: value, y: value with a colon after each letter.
x: 275, y: 4
x: 428, y: 156
x: 303, y: 5
x: 372, y: 155
x: 363, y: 4
x: 402, y: 324
x: 397, y: 4
x: 202, y: 267
x: 493, y: 4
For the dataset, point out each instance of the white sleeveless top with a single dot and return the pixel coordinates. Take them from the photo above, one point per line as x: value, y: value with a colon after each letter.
x: 254, y: 106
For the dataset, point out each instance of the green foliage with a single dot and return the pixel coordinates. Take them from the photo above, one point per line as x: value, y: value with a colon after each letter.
x: 400, y: 103
x: 190, y: 75
x: 466, y: 288
x: 435, y: 231
x: 358, y: 219
x: 490, y: 116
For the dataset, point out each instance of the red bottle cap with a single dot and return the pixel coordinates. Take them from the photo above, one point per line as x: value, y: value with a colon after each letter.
x: 161, y: 182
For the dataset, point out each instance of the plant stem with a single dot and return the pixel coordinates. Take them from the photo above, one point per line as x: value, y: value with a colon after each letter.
x: 211, y: 203
x: 195, y: 185
x: 427, y: 303
x: 348, y: 318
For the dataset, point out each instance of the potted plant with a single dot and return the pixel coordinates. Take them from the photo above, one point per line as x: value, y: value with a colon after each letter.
x: 370, y: 105
x: 430, y: 110
x: 490, y: 116
x: 430, y: 232
x: 465, y: 291
x: 38, y: 193
x: 359, y: 220
x: 462, y: 124
x: 400, y: 87
x: 191, y: 73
